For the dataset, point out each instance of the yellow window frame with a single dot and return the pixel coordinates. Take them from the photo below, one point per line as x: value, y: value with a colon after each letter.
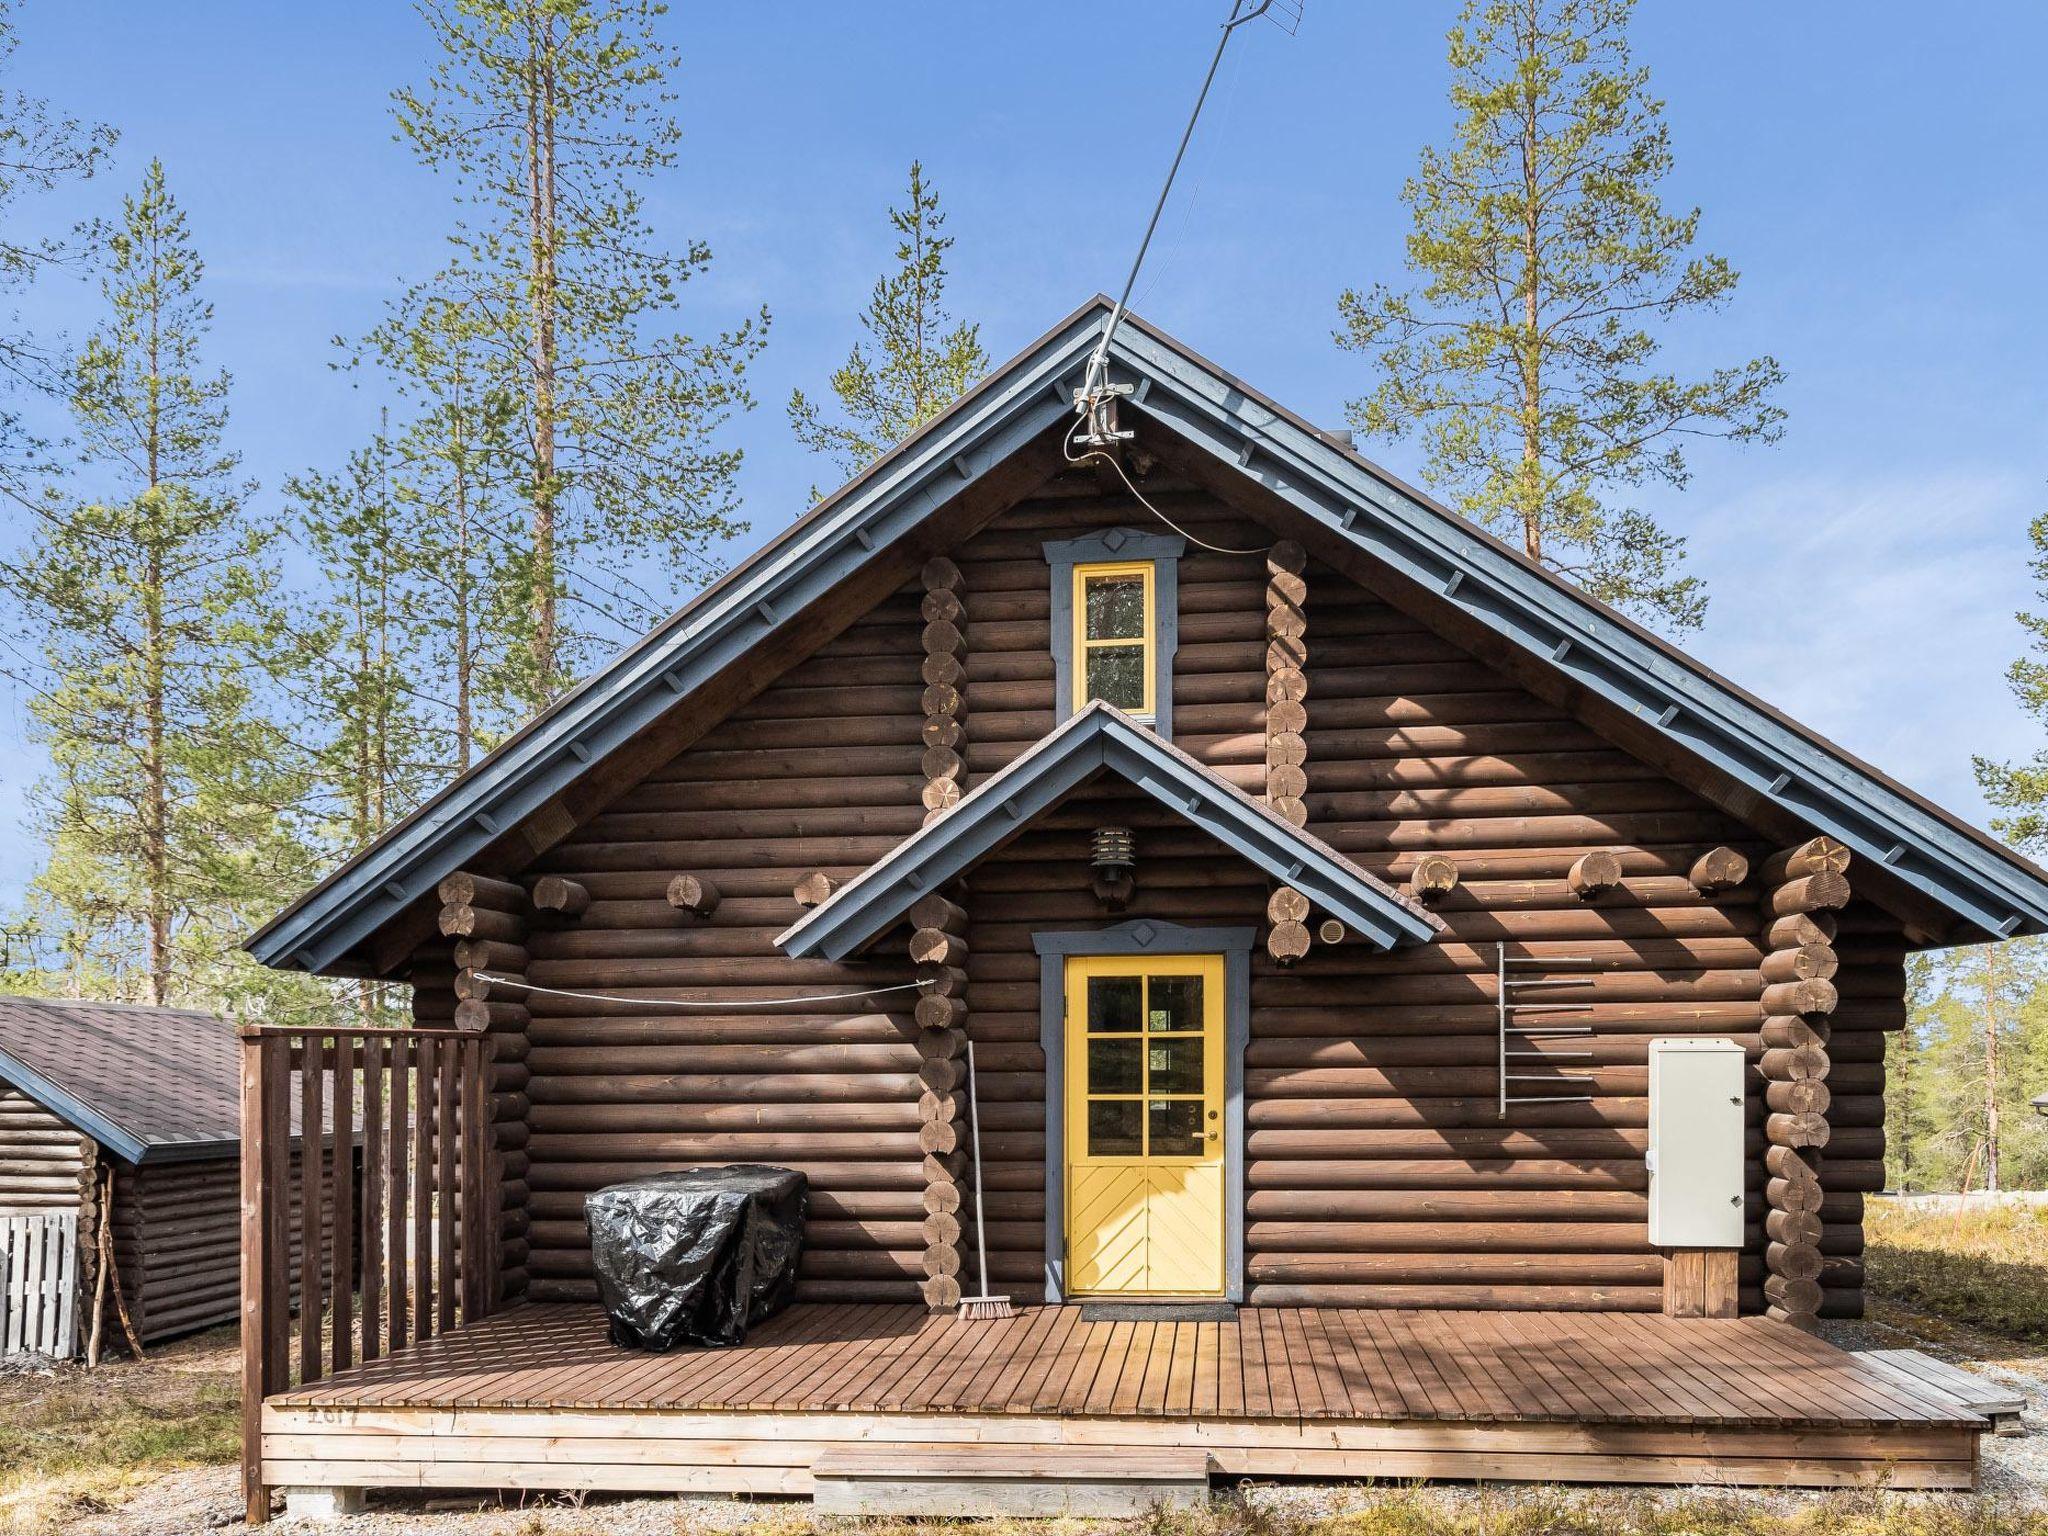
x: 1149, y: 640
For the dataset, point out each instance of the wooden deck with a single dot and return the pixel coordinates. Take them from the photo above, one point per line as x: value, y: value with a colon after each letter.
x: 537, y: 1397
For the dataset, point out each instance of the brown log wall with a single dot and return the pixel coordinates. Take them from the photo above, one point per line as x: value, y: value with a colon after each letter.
x: 1378, y: 1170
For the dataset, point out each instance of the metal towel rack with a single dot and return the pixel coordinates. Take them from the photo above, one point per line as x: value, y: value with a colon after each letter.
x: 1507, y: 986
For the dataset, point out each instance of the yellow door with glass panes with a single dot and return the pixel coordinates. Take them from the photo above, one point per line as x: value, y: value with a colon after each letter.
x: 1144, y: 1125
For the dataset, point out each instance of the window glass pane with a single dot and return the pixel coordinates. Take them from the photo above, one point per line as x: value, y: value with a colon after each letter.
x: 1176, y: 1004
x: 1113, y: 1066
x: 1116, y: 607
x: 1175, y: 1063
x: 1177, y: 1128
x: 1113, y: 1128
x: 1113, y: 1004
x: 1116, y: 675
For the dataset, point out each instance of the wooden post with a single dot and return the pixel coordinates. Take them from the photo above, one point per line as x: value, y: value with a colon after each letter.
x: 1286, y: 680
x: 491, y: 919
x: 259, y: 1261
x: 944, y: 698
x: 938, y: 947
x: 1802, y: 887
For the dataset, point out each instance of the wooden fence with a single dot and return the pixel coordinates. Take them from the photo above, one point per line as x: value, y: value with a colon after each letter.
x: 415, y: 1104
x: 39, y: 1284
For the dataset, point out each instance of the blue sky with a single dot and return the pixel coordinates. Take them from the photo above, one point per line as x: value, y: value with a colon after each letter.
x: 1872, y: 169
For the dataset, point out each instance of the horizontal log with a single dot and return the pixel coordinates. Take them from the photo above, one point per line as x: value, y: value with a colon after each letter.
x: 1803, y: 998
x: 559, y: 896
x: 1796, y: 929
x: 1594, y: 874
x: 935, y: 946
x: 694, y: 893
x: 1719, y: 869
x: 1434, y: 877
x: 1806, y: 1096
x: 1820, y: 855
x: 936, y: 911
x: 1808, y: 962
x: 1823, y: 892
x: 1792, y: 1064
x: 470, y: 922
x: 471, y: 890
x: 814, y: 889
x: 1794, y: 1130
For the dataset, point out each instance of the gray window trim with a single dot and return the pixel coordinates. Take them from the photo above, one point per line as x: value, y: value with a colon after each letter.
x: 1144, y: 936
x: 1113, y: 544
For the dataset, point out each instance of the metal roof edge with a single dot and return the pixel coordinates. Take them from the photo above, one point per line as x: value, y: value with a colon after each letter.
x: 1094, y: 737
x: 66, y: 1105
x: 1015, y: 403
x: 1772, y: 756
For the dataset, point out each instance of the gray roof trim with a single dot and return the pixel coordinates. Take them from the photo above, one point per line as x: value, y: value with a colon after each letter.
x: 814, y: 554
x: 1102, y: 736
x: 1780, y: 762
x: 94, y: 1122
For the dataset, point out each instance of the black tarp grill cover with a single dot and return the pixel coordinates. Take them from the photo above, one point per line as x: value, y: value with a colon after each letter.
x: 697, y: 1256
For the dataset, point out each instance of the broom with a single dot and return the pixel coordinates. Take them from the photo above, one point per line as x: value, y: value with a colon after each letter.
x: 982, y: 1308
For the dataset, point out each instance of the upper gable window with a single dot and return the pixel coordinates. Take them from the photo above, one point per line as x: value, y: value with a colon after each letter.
x: 1116, y: 632
x: 1116, y: 622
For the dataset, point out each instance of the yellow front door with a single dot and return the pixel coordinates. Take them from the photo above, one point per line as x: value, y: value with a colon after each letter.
x: 1144, y: 1125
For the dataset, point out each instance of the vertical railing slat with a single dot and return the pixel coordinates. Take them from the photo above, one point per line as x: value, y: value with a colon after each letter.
x: 346, y: 1047
x: 255, y: 1263
x: 423, y: 1112
x: 398, y: 1128
x: 445, y: 1145
x: 312, y: 1199
x: 373, y: 1196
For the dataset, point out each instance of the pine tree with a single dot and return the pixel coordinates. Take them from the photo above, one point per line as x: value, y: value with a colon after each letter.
x: 2021, y: 789
x: 1526, y: 358
x: 456, y: 479
x: 40, y: 149
x: 550, y: 115
x: 147, y: 601
x: 915, y: 363
x: 1986, y: 1034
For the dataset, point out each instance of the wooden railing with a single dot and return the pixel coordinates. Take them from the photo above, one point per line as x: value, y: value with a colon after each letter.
x: 398, y: 1121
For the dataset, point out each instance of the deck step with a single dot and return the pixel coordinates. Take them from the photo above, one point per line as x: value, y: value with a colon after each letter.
x: 1999, y: 1403
x: 968, y: 1480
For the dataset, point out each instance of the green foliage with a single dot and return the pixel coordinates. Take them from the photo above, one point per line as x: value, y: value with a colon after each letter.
x: 148, y: 596
x: 915, y: 362
x: 40, y: 149
x: 1984, y: 1264
x: 1526, y: 359
x: 550, y: 116
x: 1959, y: 1077
x: 2021, y: 789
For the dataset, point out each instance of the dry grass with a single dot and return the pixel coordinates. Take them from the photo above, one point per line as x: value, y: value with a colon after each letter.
x: 1983, y: 1265
x: 74, y: 1442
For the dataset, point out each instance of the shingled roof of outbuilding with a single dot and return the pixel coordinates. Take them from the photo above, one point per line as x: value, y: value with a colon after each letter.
x: 1766, y: 768
x: 148, y: 1084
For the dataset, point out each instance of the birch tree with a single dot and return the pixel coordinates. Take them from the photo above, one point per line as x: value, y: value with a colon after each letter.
x: 550, y: 117
x: 914, y: 362
x: 1525, y: 358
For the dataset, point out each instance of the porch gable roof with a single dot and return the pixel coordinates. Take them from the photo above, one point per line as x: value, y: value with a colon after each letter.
x: 1097, y: 737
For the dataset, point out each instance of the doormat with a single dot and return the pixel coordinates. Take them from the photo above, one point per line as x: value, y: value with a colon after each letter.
x: 1158, y: 1312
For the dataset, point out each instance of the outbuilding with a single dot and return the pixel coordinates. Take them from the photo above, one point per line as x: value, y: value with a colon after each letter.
x: 119, y: 1136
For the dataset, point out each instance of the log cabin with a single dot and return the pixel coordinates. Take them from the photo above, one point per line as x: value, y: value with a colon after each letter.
x: 120, y: 1199
x: 1332, y: 904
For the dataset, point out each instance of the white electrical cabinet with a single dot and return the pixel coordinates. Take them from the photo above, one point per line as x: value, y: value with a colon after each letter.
x: 1695, y: 1157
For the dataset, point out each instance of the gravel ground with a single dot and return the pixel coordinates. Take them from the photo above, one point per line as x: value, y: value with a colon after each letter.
x: 208, y: 1500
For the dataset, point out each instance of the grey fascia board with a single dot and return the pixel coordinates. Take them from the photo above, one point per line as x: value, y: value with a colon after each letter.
x: 67, y: 1106
x: 1425, y: 545
x: 632, y: 691
x: 1102, y: 739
